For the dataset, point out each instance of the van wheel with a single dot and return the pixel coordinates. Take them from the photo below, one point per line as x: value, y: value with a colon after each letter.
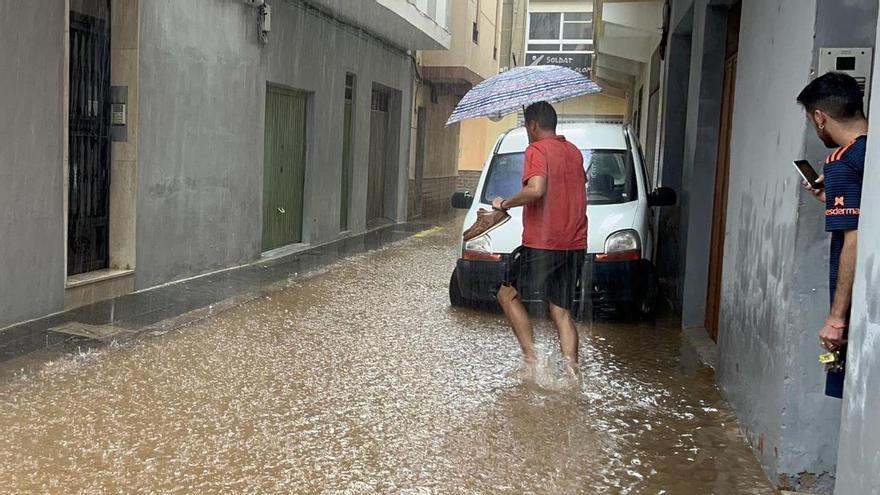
x: 455, y: 297
x: 648, y: 305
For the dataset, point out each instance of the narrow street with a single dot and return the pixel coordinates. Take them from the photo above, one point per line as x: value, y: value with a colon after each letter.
x: 361, y: 379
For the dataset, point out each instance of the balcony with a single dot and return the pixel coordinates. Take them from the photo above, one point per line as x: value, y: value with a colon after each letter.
x: 407, y: 24
x: 473, y: 51
x: 628, y: 33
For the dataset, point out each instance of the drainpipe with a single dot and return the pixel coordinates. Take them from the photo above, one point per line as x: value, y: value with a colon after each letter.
x: 526, y: 30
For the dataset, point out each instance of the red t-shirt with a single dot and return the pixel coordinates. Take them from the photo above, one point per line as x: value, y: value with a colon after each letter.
x: 558, y: 221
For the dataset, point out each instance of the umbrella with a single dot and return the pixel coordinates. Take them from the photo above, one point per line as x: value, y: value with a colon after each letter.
x: 519, y: 87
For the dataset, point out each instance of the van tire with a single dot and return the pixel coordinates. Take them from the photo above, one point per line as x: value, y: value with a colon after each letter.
x: 647, y: 307
x: 455, y: 297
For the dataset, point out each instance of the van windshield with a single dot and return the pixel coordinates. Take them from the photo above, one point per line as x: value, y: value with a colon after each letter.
x: 611, y: 177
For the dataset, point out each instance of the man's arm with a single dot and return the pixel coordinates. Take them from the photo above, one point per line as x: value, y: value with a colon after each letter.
x: 534, y: 190
x: 833, y: 330
x: 846, y: 275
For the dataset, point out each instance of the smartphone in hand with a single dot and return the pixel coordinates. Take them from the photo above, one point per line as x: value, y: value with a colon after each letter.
x: 808, y: 173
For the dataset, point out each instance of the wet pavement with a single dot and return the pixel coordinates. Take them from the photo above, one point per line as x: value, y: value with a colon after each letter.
x: 361, y: 379
x: 172, y: 305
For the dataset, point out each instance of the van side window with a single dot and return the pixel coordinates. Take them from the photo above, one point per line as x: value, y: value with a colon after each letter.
x: 611, y: 177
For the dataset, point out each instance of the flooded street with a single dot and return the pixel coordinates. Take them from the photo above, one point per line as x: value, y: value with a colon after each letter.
x: 361, y: 379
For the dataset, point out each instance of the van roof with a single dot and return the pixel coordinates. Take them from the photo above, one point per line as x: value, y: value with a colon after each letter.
x: 583, y: 135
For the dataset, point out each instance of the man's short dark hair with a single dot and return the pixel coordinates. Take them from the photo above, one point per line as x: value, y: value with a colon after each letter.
x: 542, y: 113
x: 836, y: 94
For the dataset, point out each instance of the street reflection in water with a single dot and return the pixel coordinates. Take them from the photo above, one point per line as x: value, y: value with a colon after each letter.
x: 360, y: 379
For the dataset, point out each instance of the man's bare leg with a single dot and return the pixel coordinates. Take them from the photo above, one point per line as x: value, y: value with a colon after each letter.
x: 568, y: 337
x: 518, y: 317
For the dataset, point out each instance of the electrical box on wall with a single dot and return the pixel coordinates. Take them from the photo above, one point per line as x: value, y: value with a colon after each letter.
x: 119, y: 113
x: 853, y: 61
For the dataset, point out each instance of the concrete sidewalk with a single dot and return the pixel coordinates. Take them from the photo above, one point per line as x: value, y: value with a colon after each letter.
x: 173, y: 305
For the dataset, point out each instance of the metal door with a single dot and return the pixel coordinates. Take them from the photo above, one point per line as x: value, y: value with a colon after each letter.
x: 284, y: 167
x: 89, y: 142
x: 378, y: 156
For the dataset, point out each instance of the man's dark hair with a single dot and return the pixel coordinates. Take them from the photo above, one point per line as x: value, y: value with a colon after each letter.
x: 836, y: 94
x: 542, y: 113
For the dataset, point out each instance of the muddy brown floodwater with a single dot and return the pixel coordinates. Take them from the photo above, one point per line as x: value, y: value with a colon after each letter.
x: 361, y: 379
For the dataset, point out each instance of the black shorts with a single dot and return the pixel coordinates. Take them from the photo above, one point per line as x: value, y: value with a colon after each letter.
x: 834, y: 379
x: 552, y: 275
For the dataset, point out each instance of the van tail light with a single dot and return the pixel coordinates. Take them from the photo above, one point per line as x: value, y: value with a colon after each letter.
x: 624, y: 245
x: 633, y: 255
x: 479, y: 249
x: 481, y: 256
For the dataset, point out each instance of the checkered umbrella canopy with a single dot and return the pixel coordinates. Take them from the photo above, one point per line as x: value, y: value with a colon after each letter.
x: 512, y: 90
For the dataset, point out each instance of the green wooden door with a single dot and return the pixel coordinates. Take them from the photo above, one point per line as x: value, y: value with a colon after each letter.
x: 378, y: 157
x: 284, y: 167
x: 421, y: 129
x: 344, y: 205
x: 345, y: 189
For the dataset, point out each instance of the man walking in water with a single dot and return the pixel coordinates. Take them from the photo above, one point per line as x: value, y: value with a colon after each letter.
x: 554, y: 201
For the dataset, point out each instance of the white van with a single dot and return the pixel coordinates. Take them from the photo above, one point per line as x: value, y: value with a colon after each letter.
x: 619, y: 269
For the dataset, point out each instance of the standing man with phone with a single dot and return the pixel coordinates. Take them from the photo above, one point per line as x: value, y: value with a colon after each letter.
x: 834, y: 105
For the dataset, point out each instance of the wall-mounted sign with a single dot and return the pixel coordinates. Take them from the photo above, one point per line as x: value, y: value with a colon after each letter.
x: 579, y: 62
x: 853, y: 61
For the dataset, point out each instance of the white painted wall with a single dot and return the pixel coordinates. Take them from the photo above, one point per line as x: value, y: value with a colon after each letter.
x: 32, y: 247
x: 858, y: 469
